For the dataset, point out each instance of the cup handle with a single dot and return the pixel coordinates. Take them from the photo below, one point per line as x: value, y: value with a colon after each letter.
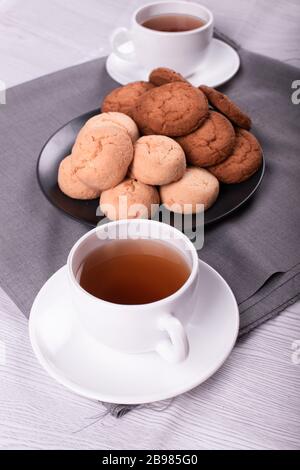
x: 119, y: 37
x: 175, y: 348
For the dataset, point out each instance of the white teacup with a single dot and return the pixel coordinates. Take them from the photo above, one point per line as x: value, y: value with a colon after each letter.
x: 158, y: 326
x: 182, y: 51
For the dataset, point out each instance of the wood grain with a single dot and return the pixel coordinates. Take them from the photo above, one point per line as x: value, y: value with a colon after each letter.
x: 37, y: 37
x: 253, y: 401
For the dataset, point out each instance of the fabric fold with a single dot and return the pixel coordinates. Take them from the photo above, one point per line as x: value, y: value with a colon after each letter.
x: 248, y: 249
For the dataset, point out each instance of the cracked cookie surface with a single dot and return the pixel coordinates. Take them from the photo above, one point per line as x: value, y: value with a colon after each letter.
x: 174, y: 109
x: 124, y: 98
x: 70, y: 185
x: 227, y: 107
x: 197, y: 187
x: 245, y: 160
x: 130, y: 199
x: 211, y: 143
x: 157, y: 160
x: 163, y: 75
x: 101, y: 156
x: 117, y: 119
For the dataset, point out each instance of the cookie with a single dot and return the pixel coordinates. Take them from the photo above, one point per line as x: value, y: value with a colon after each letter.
x: 227, y: 107
x: 173, y: 109
x: 211, y: 143
x: 101, y: 156
x: 245, y: 160
x: 70, y: 185
x: 124, y: 98
x: 157, y: 160
x: 197, y: 187
x: 131, y: 199
x: 117, y: 119
x: 163, y: 75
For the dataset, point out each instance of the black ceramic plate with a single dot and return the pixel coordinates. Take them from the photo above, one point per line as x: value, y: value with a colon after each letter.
x: 59, y: 146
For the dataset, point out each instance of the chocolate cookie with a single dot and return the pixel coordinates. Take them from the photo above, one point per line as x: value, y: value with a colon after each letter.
x: 173, y: 109
x: 211, y: 143
x: 245, y: 160
x: 124, y: 98
x: 227, y: 107
x: 163, y: 75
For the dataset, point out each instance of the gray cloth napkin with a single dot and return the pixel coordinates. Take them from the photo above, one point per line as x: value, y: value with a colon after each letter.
x: 257, y: 250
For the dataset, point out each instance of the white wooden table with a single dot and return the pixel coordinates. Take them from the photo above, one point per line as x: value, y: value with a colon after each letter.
x: 253, y: 401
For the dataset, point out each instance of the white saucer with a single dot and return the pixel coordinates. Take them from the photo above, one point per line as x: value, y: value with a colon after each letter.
x: 220, y: 65
x: 91, y: 369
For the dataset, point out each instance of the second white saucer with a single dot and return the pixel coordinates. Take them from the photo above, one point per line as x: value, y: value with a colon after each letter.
x: 95, y: 371
x: 220, y: 65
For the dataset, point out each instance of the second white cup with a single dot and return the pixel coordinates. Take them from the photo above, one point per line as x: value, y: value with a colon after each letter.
x: 182, y: 51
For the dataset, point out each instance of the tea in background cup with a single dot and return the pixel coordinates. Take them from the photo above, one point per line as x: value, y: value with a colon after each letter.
x: 167, y: 34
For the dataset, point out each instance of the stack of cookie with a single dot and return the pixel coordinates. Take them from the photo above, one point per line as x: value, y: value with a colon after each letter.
x: 99, y: 163
x: 193, y: 138
x: 100, y: 157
